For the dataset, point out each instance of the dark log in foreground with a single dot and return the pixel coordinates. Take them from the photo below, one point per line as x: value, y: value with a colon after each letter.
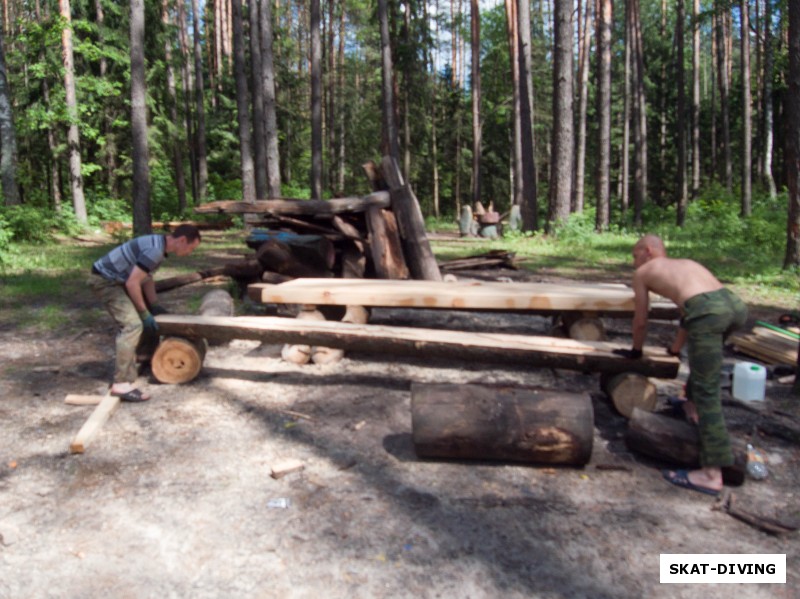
x: 501, y: 423
x: 485, y: 347
x: 677, y: 442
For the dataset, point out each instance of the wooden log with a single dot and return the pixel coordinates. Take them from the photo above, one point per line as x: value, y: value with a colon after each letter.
x: 316, y: 208
x: 217, y: 302
x: 315, y: 250
x: 92, y: 426
x: 354, y: 262
x: 274, y: 278
x: 587, y: 329
x: 486, y: 347
x: 331, y: 355
x: 374, y: 175
x: 629, y: 390
x: 416, y: 247
x: 501, y: 423
x: 278, y: 257
x: 677, y: 442
x: 178, y: 360
x: 385, y: 246
x: 349, y: 230
x: 181, y: 280
x: 300, y: 353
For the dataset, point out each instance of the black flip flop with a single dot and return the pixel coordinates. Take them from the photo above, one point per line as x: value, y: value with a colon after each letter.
x: 680, y: 478
x: 135, y: 395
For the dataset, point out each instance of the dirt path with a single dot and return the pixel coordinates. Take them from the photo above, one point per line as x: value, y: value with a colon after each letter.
x: 173, y: 498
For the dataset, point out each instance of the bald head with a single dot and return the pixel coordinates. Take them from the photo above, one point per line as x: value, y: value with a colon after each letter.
x: 647, y: 248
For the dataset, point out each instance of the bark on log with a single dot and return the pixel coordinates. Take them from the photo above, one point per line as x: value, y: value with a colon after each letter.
x: 487, y: 347
x: 316, y: 208
x: 385, y: 246
x: 279, y: 257
x: 629, y: 390
x: 677, y: 442
x: 416, y: 248
x: 501, y: 423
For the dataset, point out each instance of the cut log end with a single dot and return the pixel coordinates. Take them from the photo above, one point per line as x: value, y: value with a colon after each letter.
x: 629, y: 390
x: 178, y: 360
x: 587, y: 329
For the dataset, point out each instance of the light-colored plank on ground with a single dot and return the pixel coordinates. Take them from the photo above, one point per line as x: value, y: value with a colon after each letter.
x: 76, y: 399
x: 92, y: 426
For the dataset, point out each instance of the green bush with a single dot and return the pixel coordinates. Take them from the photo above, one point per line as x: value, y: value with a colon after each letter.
x: 28, y: 223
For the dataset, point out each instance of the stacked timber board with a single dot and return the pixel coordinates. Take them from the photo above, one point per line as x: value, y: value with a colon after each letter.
x: 767, y: 345
x: 463, y: 295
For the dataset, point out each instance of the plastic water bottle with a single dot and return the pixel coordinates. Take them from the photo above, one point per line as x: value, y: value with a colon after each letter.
x: 756, y: 463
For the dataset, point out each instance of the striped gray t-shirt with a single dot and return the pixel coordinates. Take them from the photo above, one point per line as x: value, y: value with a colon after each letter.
x: 147, y: 252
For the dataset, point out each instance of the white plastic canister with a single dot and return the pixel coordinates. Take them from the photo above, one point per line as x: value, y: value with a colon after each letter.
x: 749, y: 381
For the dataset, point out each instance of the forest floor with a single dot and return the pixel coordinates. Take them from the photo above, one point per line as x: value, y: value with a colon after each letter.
x: 174, y: 497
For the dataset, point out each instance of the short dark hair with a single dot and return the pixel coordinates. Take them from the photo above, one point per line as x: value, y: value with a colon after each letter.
x: 190, y: 232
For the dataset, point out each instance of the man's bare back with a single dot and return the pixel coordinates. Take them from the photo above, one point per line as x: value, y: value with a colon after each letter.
x: 675, y: 278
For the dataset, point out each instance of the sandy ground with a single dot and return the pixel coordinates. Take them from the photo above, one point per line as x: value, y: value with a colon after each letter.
x: 174, y: 498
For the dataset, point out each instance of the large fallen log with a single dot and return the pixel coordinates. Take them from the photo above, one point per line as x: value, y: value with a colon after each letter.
x: 501, y: 423
x: 316, y: 208
x: 677, y: 442
x: 484, y: 347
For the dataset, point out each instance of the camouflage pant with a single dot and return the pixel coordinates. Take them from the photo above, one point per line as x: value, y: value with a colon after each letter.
x: 115, y: 299
x: 708, y: 319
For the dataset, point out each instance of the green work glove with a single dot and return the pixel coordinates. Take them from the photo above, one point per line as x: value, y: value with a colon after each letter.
x: 156, y: 309
x: 150, y: 324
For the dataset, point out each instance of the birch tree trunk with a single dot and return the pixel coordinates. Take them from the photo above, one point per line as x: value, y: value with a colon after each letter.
x: 142, y: 219
x: 530, y: 207
x: 767, y: 113
x: 73, y: 135
x: 8, y: 136
x: 475, y: 21
x: 583, y: 82
x: 200, y: 113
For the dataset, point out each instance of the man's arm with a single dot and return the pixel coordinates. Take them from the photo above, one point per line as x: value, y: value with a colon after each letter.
x: 136, y: 288
x: 641, y: 302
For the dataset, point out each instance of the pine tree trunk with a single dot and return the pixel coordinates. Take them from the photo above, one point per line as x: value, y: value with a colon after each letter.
x: 316, y: 102
x: 142, y: 223
x: 583, y: 82
x: 270, y: 117
x: 723, y: 41
x: 516, y: 133
x: 390, y: 140
x: 243, y: 105
x: 530, y: 207
x: 624, y: 174
x: 747, y: 127
x: 340, y: 91
x: 256, y: 70
x: 680, y: 123
x: 563, y: 140
x: 177, y: 154
x: 640, y: 176
x: 475, y: 20
x: 695, y: 98
x: 604, y: 22
x: 793, y: 143
x: 186, y: 78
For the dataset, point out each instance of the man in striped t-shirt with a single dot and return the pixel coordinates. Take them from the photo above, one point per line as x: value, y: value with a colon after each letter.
x: 122, y: 280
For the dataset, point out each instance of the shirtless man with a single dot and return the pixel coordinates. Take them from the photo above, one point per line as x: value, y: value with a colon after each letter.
x: 710, y: 313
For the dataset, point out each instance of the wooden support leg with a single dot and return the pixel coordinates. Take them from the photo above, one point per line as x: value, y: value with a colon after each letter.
x: 298, y: 353
x: 329, y: 355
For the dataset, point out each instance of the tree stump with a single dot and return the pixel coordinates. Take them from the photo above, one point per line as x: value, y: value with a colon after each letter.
x: 178, y: 360
x: 501, y: 423
x: 677, y: 442
x: 629, y: 390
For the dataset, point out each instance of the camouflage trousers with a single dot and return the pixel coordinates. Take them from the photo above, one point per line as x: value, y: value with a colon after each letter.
x: 129, y: 326
x: 708, y: 319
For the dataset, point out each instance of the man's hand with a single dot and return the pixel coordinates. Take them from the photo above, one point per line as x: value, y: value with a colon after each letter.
x: 631, y: 354
x: 150, y: 324
x: 156, y: 309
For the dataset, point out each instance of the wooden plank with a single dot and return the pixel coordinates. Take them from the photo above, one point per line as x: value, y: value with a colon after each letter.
x: 75, y: 399
x: 463, y: 295
x: 298, y: 207
x: 486, y: 347
x: 92, y: 426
